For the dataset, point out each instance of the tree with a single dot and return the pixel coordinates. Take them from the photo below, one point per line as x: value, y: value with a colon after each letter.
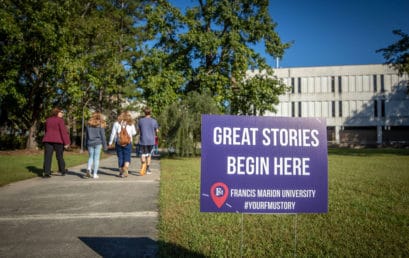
x: 160, y: 72
x: 97, y: 54
x: 67, y: 53
x: 30, y: 40
x: 397, y: 54
x: 257, y: 94
x: 180, y: 122
x: 210, y: 48
x: 102, y: 43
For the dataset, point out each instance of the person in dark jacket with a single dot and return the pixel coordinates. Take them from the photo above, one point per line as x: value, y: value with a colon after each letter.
x: 56, y: 138
x: 96, y: 139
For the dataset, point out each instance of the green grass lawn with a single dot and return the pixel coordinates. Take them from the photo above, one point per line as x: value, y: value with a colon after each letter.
x: 368, y: 210
x: 16, y: 166
x: 368, y: 214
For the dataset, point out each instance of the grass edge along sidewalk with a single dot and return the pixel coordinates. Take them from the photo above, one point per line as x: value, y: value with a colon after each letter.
x: 20, y: 165
x: 368, y: 214
x: 368, y: 210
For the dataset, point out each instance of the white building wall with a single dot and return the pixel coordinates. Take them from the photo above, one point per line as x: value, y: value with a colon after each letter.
x: 369, y: 95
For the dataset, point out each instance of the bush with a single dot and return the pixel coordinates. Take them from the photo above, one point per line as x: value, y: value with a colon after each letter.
x: 180, y: 124
x: 12, y: 142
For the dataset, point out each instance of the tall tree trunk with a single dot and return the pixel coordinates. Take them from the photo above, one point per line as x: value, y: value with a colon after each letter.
x: 31, y: 143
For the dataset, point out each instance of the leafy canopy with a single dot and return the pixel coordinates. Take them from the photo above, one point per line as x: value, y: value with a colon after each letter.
x: 209, y: 47
x: 397, y: 54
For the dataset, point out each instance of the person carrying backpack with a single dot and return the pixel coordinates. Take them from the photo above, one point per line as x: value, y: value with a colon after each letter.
x: 122, y: 133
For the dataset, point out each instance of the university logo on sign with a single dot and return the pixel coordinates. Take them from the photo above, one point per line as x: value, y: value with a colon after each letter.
x: 263, y: 165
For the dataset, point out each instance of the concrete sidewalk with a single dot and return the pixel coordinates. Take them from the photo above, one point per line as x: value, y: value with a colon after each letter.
x: 69, y: 216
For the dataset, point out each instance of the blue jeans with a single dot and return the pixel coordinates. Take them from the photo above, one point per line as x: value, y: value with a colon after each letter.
x: 124, y: 154
x: 94, y: 156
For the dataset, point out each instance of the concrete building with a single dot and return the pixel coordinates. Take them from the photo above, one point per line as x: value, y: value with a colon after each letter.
x: 363, y: 104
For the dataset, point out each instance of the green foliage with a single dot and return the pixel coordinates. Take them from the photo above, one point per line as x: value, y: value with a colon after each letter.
x: 180, y: 123
x: 12, y: 142
x: 104, y: 55
x: 397, y: 54
x: 67, y: 53
x: 209, y: 48
x: 257, y: 94
x: 30, y: 39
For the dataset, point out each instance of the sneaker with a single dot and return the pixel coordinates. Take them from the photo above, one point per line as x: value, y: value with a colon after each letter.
x: 88, y: 174
x: 95, y: 176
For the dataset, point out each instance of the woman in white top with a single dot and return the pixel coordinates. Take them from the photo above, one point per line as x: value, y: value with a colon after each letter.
x: 123, y: 151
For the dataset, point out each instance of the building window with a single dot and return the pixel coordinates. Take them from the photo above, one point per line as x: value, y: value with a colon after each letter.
x: 299, y: 109
x: 299, y: 85
x: 375, y: 108
x: 333, y: 108
x: 292, y: 85
x: 376, y: 112
x: 292, y: 109
x: 382, y: 83
x: 375, y: 83
x: 340, y: 108
x: 332, y: 84
x: 339, y: 84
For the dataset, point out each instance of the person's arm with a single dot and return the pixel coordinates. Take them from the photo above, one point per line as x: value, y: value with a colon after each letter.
x: 64, y: 134
x: 133, y: 130
x: 113, y: 133
x: 156, y: 128
x: 86, y: 137
x: 138, y: 128
x: 104, y: 140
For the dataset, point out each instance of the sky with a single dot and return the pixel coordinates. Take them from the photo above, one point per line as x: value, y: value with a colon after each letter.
x: 333, y: 32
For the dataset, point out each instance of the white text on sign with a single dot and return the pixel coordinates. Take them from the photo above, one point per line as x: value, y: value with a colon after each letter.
x: 282, y: 166
x: 269, y: 137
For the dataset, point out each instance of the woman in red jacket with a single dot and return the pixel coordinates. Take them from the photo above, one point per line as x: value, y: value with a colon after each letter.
x: 56, y: 138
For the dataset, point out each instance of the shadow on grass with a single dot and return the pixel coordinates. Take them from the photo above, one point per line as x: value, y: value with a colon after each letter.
x: 171, y: 250
x: 35, y: 170
x: 367, y: 151
x: 135, y: 247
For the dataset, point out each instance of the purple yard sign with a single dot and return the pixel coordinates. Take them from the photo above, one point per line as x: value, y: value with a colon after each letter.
x: 263, y: 165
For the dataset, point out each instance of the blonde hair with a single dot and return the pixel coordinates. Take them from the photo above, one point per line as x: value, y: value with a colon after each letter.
x: 127, y: 117
x: 97, y: 119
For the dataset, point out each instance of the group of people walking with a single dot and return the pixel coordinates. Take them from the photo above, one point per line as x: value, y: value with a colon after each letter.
x: 56, y: 138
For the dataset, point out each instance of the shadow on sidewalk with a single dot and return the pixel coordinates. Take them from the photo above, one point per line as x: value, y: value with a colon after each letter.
x: 122, y: 246
x: 136, y: 247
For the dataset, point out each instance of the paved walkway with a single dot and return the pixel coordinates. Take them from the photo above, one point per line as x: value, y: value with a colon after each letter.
x: 69, y: 216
